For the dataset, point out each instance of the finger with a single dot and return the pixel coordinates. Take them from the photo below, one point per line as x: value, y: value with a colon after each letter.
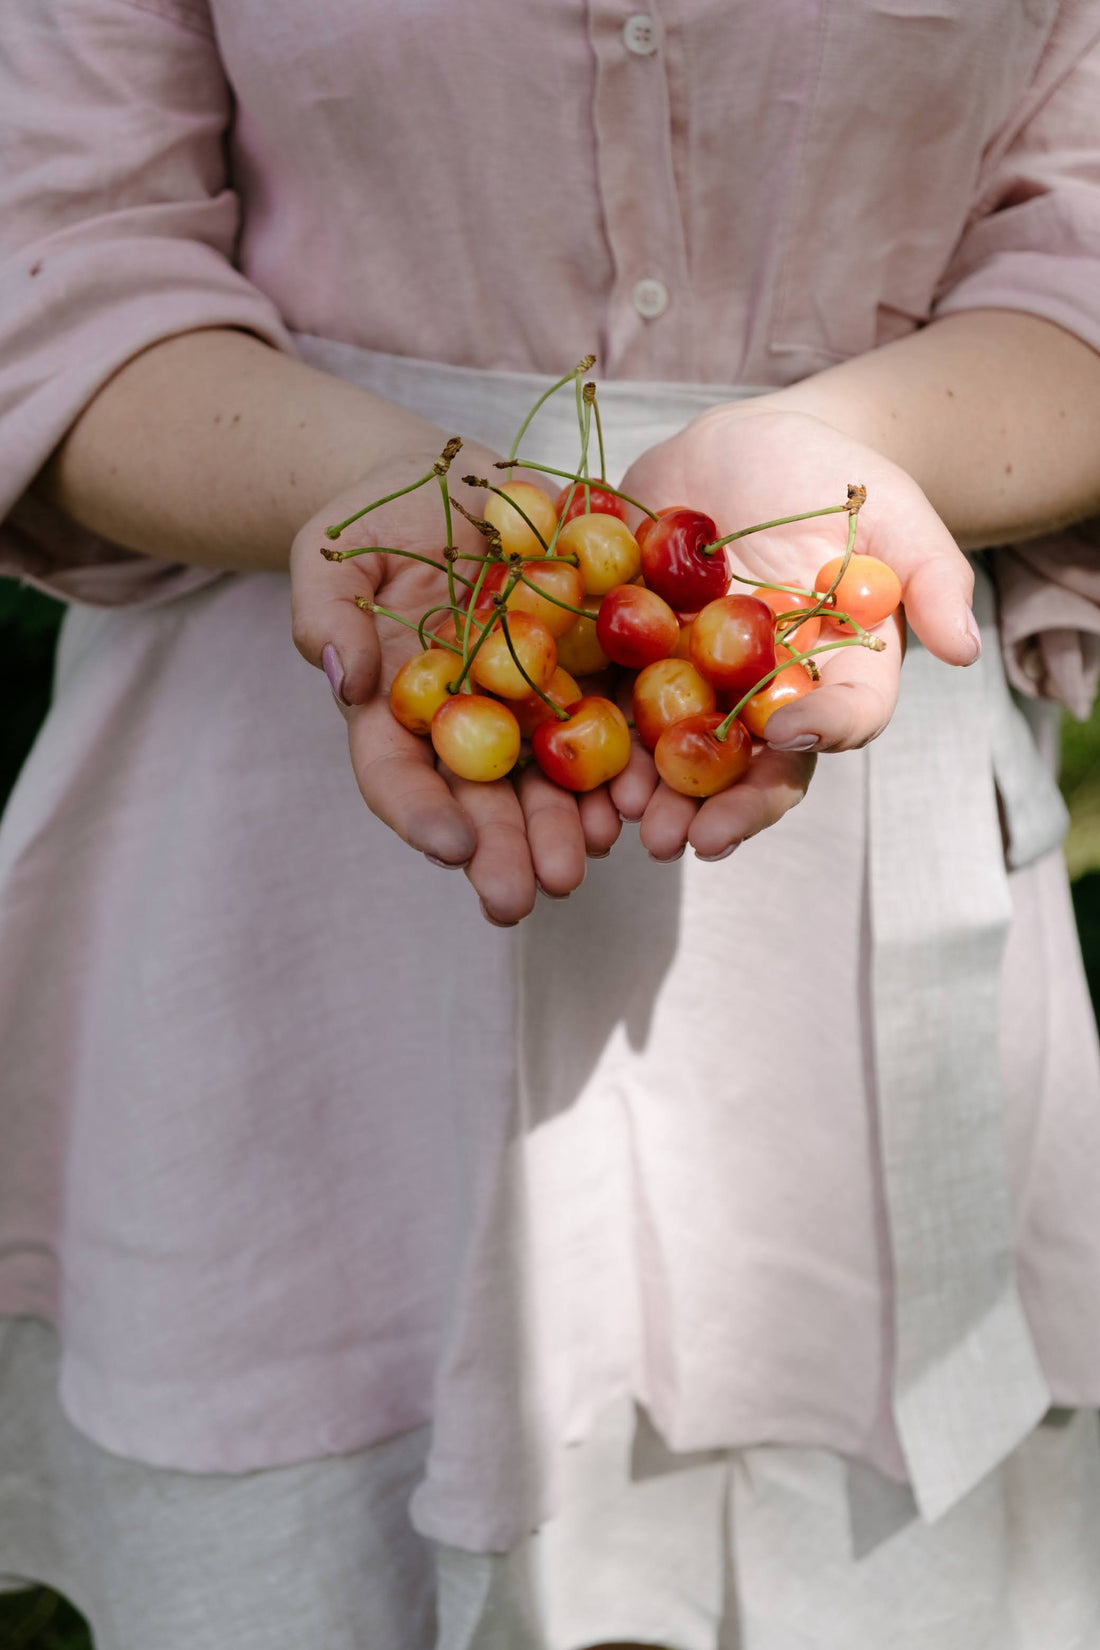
x: 666, y: 823
x: 554, y: 832
x: 774, y: 783
x: 633, y: 789
x: 600, y: 822
x: 397, y: 776
x: 937, y: 579
x: 501, y: 869
x: 854, y: 703
x: 329, y: 630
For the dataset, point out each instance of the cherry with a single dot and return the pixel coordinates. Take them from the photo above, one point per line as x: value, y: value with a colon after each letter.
x: 667, y: 692
x: 589, y: 749
x: 531, y: 711
x: 868, y: 592
x: 733, y: 642
x: 782, y: 601
x: 605, y: 548
x: 600, y: 502
x: 792, y: 683
x: 693, y: 762
x: 515, y: 536
x: 421, y: 686
x: 495, y: 668
x: 673, y: 563
x: 579, y: 650
x: 636, y: 627
x: 477, y: 737
x: 558, y: 579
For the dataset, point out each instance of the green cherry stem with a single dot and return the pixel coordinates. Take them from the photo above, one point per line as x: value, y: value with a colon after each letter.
x: 761, y: 526
x: 334, y: 532
x: 581, y: 612
x: 578, y: 372
x: 569, y: 475
x: 386, y: 550
x: 368, y: 606
x: 590, y: 398
x: 562, y: 715
x: 875, y: 643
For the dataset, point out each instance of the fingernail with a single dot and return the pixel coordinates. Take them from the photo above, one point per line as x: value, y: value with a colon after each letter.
x: 334, y: 670
x: 446, y: 864
x: 974, y: 634
x: 603, y: 853
x: 549, y: 894
x: 495, y: 921
x: 712, y: 859
x: 668, y: 859
x: 804, y: 742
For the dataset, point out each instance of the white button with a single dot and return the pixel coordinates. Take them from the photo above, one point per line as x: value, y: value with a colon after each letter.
x: 640, y: 35
x: 650, y: 298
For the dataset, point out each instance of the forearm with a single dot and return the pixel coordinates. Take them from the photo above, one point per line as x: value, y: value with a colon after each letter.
x: 995, y: 413
x: 212, y: 448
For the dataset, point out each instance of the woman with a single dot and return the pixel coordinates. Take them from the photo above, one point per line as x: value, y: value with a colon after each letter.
x: 330, y: 1187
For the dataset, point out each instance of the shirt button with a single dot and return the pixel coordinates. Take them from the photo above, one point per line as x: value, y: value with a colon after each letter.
x: 650, y: 298
x: 639, y: 35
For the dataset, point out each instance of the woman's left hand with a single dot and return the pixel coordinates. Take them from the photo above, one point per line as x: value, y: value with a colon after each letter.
x: 753, y: 462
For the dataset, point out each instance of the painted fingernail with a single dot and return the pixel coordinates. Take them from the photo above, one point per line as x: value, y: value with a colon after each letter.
x: 804, y: 742
x: 334, y: 670
x: 974, y: 635
x: 712, y: 859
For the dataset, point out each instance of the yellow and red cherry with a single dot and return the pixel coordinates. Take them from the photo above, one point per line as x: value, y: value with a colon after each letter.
x: 682, y: 650
x: 587, y: 750
x: 529, y: 712
x: 494, y: 667
x: 673, y: 562
x: 792, y: 683
x: 453, y: 630
x: 666, y: 692
x: 606, y: 550
x: 557, y: 581
x: 636, y: 627
x: 733, y: 642
x: 868, y: 591
x: 579, y: 650
x: 477, y: 737
x: 516, y: 536
x: 693, y: 762
x: 598, y: 502
x: 783, y: 601
x: 422, y: 685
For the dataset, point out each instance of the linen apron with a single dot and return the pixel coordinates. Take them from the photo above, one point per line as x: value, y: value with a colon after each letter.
x: 967, y: 1384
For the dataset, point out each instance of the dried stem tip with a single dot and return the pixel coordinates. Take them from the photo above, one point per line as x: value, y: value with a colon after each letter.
x: 332, y: 555
x: 448, y: 455
x: 589, y: 393
x: 485, y: 528
x: 586, y: 365
x: 474, y: 481
x: 857, y: 497
x: 365, y: 603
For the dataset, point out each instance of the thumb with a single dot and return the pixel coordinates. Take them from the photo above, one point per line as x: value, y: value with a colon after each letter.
x: 937, y: 594
x: 329, y: 629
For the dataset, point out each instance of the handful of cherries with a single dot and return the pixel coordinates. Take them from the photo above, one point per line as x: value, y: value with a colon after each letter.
x: 567, y: 608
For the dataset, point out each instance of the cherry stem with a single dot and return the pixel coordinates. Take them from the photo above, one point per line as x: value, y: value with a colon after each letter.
x: 590, y: 398
x: 578, y: 372
x: 480, y: 481
x: 334, y: 532
x: 569, y: 475
x: 387, y: 550
x: 445, y: 493
x: 780, y: 521
x: 875, y: 643
x: 581, y: 612
x: 562, y: 715
x: 372, y: 607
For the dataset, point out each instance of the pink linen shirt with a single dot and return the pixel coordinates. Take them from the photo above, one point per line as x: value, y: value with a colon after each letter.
x: 249, y: 1185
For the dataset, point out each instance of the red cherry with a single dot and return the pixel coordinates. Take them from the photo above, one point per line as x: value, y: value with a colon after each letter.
x: 636, y: 627
x: 693, y: 762
x: 733, y: 642
x: 673, y: 563
x: 601, y: 502
x: 587, y: 750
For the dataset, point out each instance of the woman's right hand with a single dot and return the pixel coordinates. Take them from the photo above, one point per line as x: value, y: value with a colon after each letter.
x: 512, y: 838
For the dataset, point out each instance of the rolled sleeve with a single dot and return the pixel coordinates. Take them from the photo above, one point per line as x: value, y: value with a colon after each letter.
x: 117, y: 230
